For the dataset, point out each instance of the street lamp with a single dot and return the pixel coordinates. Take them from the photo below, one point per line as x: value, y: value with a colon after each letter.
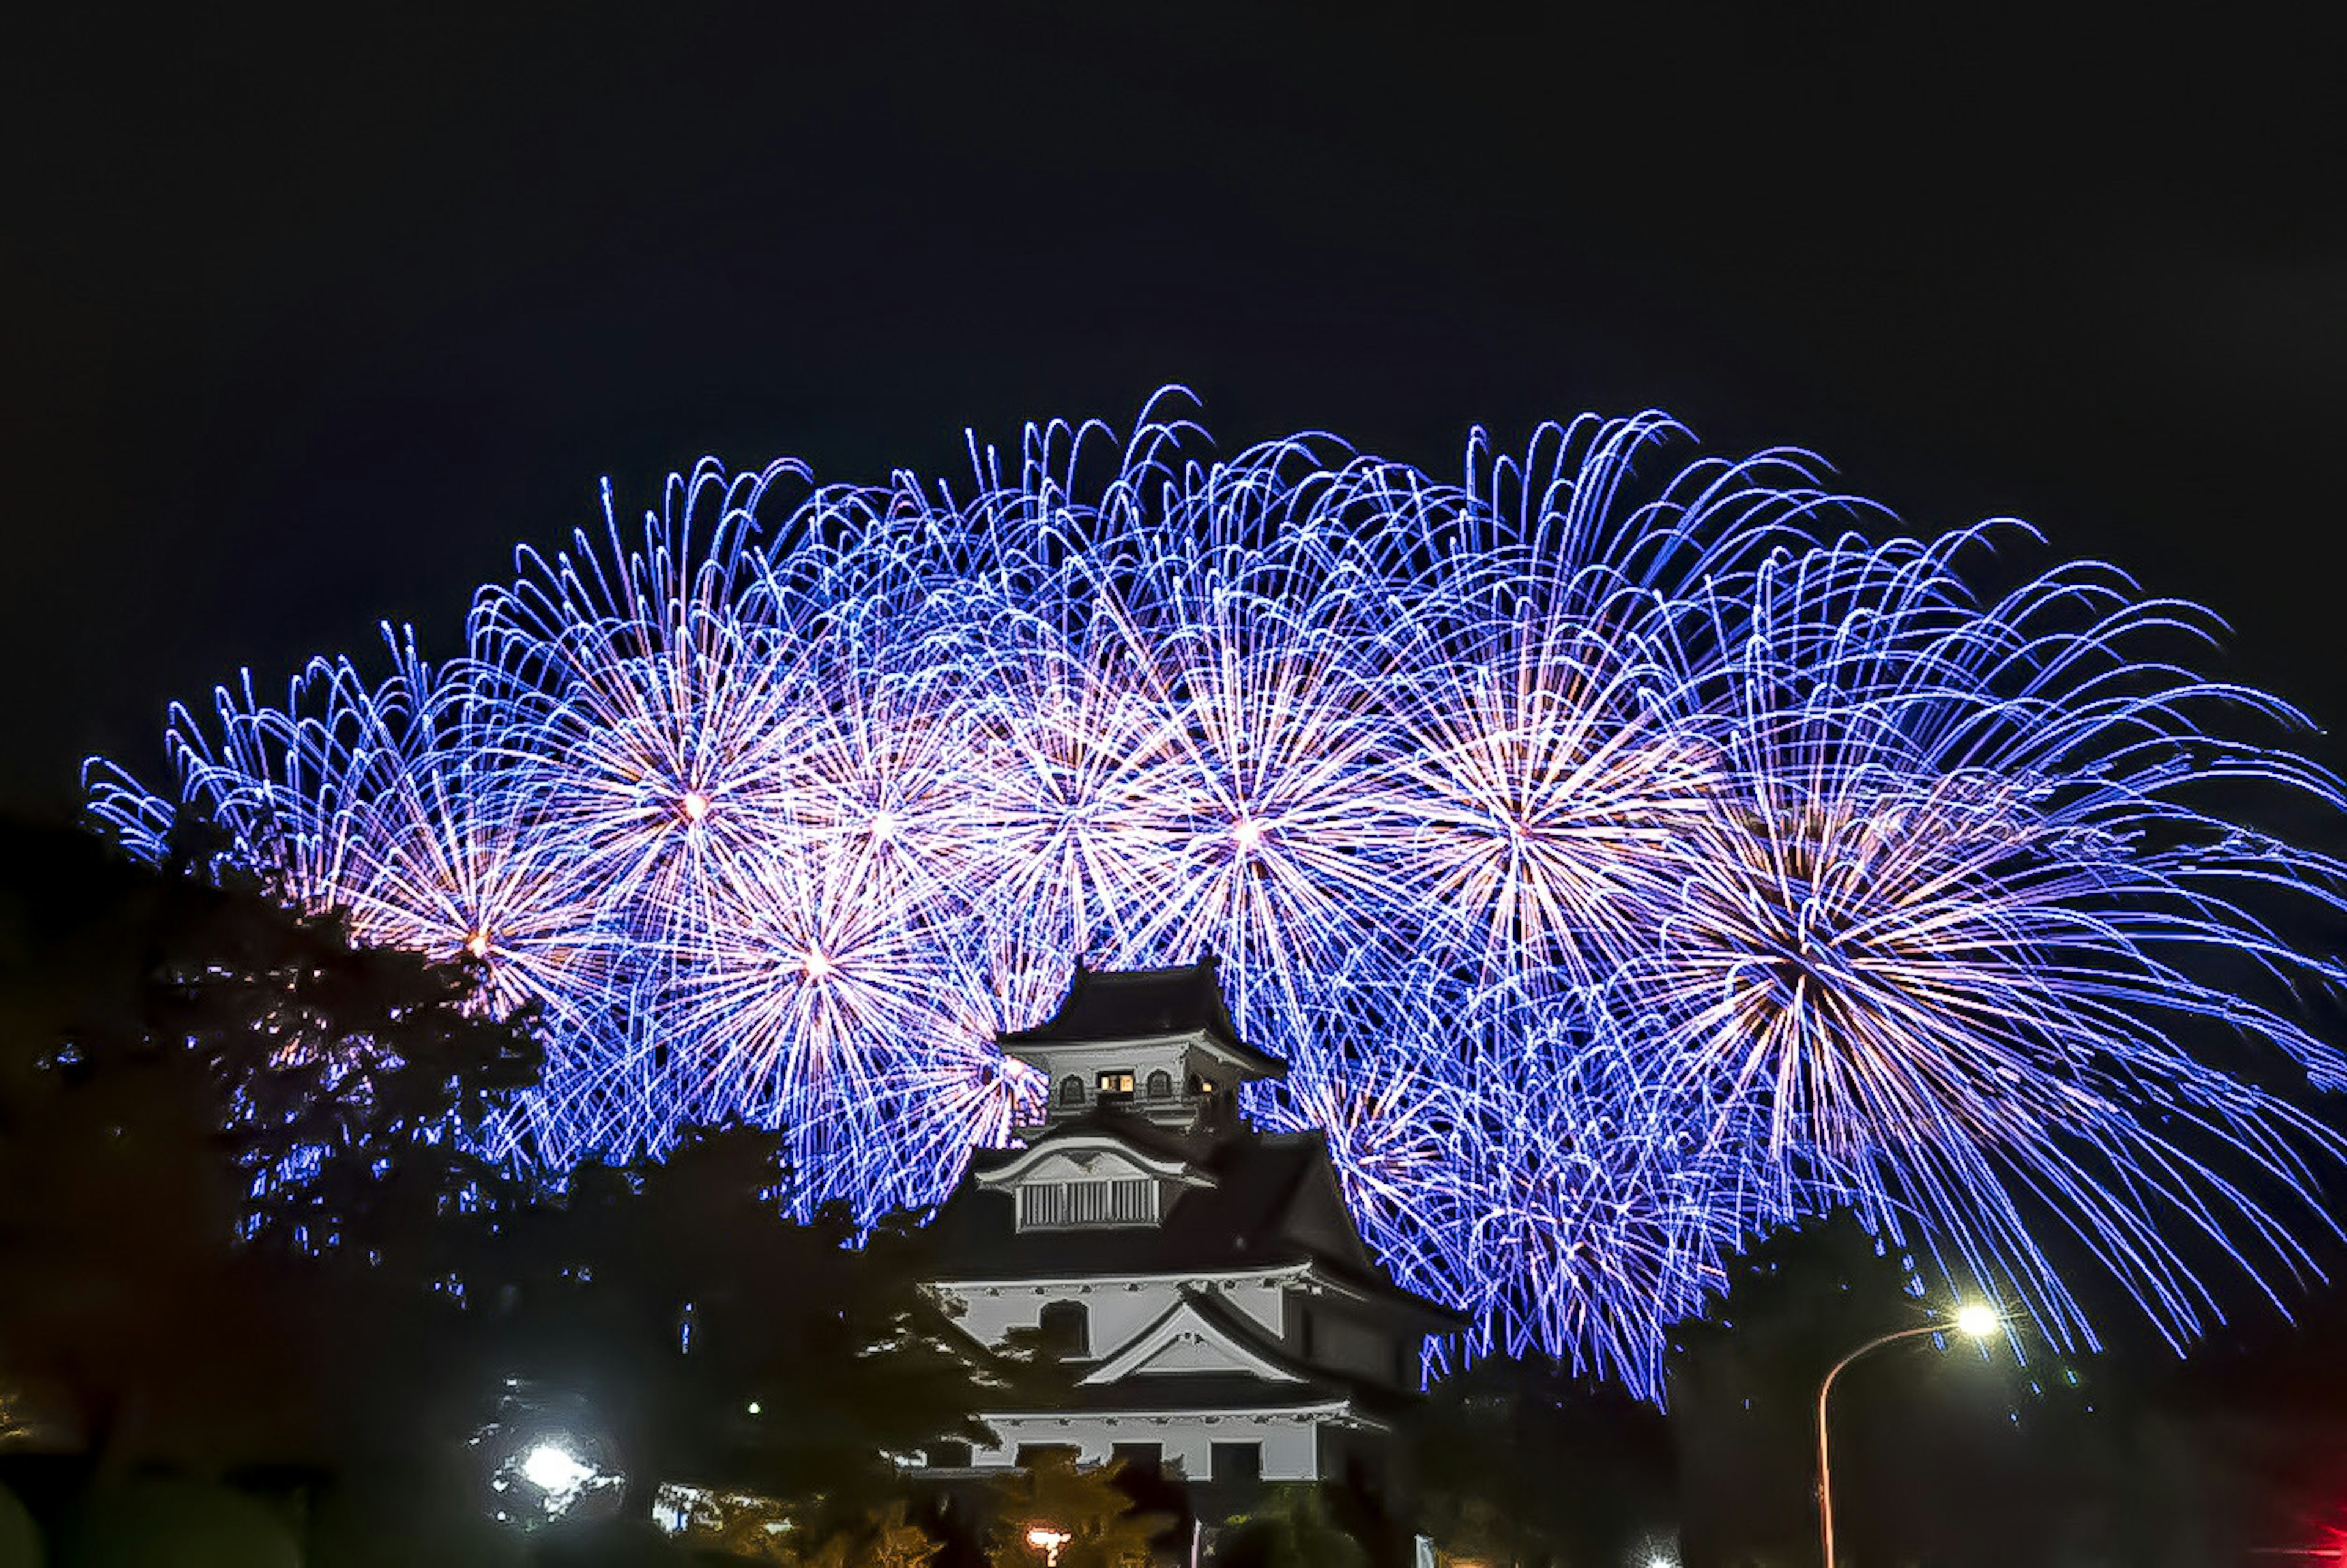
x: 1973, y: 1318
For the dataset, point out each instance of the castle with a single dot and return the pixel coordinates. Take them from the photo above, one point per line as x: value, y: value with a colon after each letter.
x: 1202, y: 1281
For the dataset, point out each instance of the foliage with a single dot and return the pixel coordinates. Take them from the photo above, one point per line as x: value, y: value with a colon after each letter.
x: 760, y: 1530
x: 1491, y: 1442
x: 246, y: 1219
x: 722, y: 1343
x: 1291, y: 1528
x: 1103, y: 1527
x: 231, y: 1145
x: 1923, y: 1429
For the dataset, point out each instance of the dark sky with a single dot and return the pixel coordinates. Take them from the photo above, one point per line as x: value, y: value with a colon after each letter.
x: 309, y: 321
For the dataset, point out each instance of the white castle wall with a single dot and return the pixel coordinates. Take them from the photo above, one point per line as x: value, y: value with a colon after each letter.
x: 1118, y: 1309
x: 1290, y: 1444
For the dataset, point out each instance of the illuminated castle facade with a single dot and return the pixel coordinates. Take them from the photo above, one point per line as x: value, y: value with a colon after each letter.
x: 1203, y: 1282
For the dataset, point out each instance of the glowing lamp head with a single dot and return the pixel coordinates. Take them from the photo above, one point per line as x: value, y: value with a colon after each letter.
x: 550, y: 1467
x: 1975, y: 1319
x: 1048, y: 1539
x: 694, y: 805
x: 1248, y: 835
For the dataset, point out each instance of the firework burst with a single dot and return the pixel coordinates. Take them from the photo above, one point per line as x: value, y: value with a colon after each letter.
x: 1951, y: 928
x: 1625, y: 857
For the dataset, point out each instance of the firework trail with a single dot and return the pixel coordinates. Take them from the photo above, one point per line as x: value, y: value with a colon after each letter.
x: 1947, y: 919
x: 1626, y: 856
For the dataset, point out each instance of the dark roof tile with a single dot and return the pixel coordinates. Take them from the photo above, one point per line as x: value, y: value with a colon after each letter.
x: 1234, y: 1224
x: 1130, y: 1004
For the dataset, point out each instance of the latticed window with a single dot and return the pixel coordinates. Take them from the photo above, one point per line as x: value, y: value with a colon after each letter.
x: 1116, y: 1082
x: 1072, y: 1089
x: 1161, y: 1085
x: 1125, y: 1201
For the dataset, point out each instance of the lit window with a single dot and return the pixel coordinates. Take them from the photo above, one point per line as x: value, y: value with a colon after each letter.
x: 1116, y: 1082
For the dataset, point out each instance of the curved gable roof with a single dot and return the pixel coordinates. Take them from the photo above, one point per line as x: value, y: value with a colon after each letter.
x: 1140, y: 1004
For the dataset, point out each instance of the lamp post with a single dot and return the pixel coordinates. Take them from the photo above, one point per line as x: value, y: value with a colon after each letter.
x: 1974, y: 1319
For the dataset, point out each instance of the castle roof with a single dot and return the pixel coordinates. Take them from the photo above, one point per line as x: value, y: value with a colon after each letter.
x: 1272, y: 1201
x: 1139, y: 1004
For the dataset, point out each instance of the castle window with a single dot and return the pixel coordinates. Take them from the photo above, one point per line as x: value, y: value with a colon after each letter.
x: 1116, y: 1082
x: 1067, y: 1328
x: 1141, y: 1459
x: 1072, y: 1089
x: 1161, y: 1085
x: 1123, y: 1200
x: 1236, y: 1461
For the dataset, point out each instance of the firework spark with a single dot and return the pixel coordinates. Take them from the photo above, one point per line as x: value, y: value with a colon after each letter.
x: 1625, y: 857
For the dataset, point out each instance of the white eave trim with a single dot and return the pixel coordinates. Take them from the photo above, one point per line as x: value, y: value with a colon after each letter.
x: 1332, y: 1409
x: 1111, y: 1045
x: 1279, y: 1274
x: 1163, y: 1169
x: 1093, y: 1053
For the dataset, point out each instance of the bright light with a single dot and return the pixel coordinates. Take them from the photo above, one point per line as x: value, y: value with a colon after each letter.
x: 756, y: 1409
x: 817, y: 966
x: 1976, y: 1320
x: 551, y: 1468
x: 695, y: 805
x: 884, y: 824
x: 477, y: 943
x: 1047, y: 1540
x: 1248, y: 834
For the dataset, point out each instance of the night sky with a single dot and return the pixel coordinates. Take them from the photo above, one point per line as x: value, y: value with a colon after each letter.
x: 309, y: 321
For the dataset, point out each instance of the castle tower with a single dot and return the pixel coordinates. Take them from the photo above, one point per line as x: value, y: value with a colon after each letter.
x: 1216, y: 1306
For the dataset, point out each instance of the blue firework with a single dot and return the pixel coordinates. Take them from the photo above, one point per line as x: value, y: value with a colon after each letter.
x: 1625, y: 855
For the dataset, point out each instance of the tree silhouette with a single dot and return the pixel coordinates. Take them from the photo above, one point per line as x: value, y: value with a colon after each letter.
x: 725, y: 1345
x: 1923, y: 1432
x: 1100, y: 1523
x: 245, y: 1220
x: 1491, y: 1442
x: 1291, y: 1528
x: 232, y: 1150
